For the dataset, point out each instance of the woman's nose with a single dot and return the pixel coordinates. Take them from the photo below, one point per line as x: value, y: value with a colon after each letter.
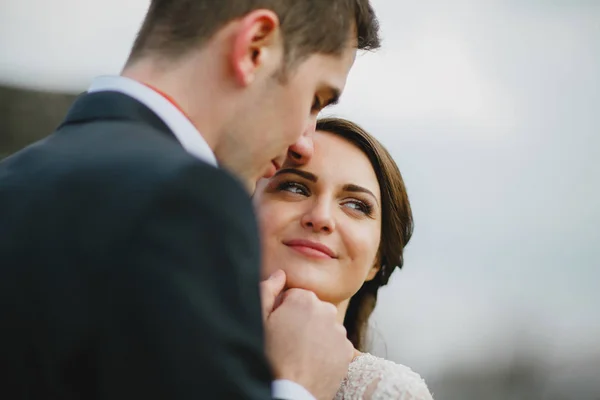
x: 319, y: 218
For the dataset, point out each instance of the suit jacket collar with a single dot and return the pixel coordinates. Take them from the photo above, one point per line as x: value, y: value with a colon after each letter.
x: 113, y: 106
x: 178, y: 124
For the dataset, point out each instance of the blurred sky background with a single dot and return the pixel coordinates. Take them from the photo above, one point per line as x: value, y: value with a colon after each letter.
x: 492, y: 111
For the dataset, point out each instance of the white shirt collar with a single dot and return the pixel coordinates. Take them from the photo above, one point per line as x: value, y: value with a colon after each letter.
x: 183, y: 129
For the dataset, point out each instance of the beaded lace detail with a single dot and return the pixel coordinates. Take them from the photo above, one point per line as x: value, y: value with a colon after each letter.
x: 373, y: 378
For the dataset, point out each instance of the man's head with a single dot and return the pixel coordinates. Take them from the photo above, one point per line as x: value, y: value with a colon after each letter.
x: 253, y: 74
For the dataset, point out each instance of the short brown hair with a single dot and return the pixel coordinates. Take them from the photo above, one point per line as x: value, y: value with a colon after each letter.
x: 173, y: 27
x: 396, y: 223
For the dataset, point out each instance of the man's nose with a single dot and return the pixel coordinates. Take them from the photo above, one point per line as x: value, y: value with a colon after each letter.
x: 300, y: 152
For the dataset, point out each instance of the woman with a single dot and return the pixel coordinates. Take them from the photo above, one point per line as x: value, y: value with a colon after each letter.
x: 337, y: 226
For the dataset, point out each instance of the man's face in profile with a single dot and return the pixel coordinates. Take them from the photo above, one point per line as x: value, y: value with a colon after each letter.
x: 283, y: 115
x: 314, y: 84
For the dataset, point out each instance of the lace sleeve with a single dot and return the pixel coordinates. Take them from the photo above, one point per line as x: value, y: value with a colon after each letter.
x: 373, y: 378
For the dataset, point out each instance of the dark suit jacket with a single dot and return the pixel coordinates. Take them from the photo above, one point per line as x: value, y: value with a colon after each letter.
x: 128, y: 268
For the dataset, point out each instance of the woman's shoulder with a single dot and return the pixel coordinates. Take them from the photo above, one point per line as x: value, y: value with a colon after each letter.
x: 373, y: 378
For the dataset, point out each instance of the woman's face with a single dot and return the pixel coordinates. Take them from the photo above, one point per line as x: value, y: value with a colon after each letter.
x: 321, y: 222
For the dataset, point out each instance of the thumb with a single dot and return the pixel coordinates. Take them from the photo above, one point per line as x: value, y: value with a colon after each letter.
x: 269, y: 290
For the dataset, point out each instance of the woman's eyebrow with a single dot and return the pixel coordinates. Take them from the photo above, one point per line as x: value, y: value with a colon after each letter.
x: 304, y: 174
x: 355, y: 188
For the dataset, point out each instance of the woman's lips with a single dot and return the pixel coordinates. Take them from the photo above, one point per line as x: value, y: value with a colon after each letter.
x: 310, y: 248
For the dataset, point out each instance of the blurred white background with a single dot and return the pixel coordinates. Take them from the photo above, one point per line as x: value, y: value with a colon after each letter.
x: 492, y: 111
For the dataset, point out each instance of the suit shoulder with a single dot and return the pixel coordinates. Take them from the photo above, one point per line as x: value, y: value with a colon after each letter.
x: 128, y: 152
x: 214, y: 189
x: 116, y: 165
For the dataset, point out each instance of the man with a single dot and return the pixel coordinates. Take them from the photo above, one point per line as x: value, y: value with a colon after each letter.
x: 130, y: 261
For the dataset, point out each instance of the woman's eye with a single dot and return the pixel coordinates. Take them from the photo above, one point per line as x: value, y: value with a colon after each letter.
x: 360, y: 206
x: 293, y: 187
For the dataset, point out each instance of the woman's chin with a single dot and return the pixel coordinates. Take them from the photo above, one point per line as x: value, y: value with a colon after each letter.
x: 323, y: 292
x: 303, y: 282
x: 310, y: 277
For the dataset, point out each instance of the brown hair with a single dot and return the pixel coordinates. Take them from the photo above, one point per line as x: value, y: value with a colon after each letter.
x: 173, y: 27
x: 396, y: 223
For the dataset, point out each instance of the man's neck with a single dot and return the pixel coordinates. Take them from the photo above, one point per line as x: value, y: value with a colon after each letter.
x: 180, y: 85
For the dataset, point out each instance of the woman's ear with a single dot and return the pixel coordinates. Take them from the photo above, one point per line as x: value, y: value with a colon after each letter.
x: 374, y: 270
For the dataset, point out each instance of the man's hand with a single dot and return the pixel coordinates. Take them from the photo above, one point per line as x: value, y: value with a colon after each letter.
x: 304, y: 342
x: 271, y: 292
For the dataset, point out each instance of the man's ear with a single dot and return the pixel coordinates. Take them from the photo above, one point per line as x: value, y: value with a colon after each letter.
x: 257, y: 42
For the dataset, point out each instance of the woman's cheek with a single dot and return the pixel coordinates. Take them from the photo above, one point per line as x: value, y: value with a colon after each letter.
x: 269, y: 219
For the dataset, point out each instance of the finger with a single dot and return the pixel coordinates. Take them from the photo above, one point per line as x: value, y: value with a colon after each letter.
x: 278, y: 300
x: 270, y: 289
x: 300, y: 295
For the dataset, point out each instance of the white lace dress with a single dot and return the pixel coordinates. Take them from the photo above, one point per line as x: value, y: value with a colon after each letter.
x: 374, y: 378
